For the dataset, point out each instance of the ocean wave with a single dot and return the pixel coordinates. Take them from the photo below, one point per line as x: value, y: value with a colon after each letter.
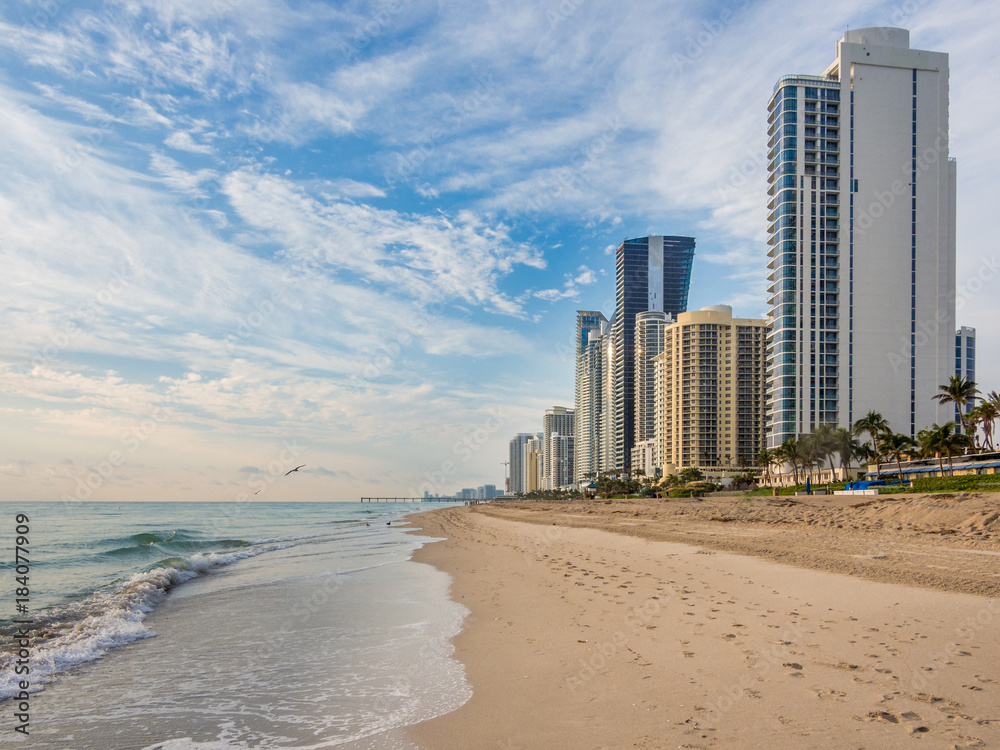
x: 84, y: 630
x: 148, y: 548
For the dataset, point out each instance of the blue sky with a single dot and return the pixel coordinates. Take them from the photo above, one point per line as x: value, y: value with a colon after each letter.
x: 241, y: 235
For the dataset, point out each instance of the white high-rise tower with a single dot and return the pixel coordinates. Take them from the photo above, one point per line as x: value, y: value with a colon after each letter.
x: 861, y: 216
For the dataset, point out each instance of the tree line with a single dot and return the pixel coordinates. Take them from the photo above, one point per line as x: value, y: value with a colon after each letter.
x: 827, y: 442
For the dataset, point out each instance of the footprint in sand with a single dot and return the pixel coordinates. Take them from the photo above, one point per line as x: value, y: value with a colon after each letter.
x: 884, y: 715
x: 837, y: 695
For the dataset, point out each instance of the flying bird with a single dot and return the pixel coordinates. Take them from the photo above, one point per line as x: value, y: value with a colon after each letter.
x: 295, y: 469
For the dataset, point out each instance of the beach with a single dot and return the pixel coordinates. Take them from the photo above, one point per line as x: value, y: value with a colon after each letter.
x: 819, y: 622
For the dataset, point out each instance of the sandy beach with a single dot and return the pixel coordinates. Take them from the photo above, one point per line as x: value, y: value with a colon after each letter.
x: 840, y: 622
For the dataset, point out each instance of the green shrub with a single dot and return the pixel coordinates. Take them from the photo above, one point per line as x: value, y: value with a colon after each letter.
x: 969, y: 483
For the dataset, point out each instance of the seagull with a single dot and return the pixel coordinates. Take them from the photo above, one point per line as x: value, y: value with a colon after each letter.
x: 295, y: 469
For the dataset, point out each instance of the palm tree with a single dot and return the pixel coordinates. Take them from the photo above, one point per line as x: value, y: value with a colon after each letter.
x: 874, y: 424
x: 959, y: 390
x: 765, y: 458
x: 865, y: 455
x: 894, y: 444
x: 985, y: 415
x: 929, y: 440
x: 789, y: 451
x: 692, y: 474
x: 825, y: 437
x: 847, y: 447
x: 812, y: 452
x: 981, y: 415
x: 942, y: 440
x: 955, y: 444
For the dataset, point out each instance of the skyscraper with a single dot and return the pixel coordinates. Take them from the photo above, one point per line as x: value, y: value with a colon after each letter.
x: 518, y: 470
x: 533, y: 463
x: 559, y: 453
x: 652, y: 273
x: 861, y: 215
x: 592, y: 341
x: 557, y: 421
x: 965, y: 364
x: 710, y: 390
x: 649, y: 327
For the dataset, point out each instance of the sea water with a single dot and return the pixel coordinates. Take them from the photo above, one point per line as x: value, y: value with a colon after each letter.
x: 198, y: 625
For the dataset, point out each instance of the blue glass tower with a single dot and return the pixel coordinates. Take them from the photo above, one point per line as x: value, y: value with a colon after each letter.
x: 653, y: 273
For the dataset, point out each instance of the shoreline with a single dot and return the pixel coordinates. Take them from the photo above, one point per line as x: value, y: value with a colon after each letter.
x: 592, y: 638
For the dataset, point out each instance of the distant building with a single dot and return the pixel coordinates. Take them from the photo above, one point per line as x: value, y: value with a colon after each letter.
x: 710, y: 395
x: 489, y: 491
x: 593, y: 395
x: 516, y: 459
x: 651, y: 273
x: 560, y: 455
x: 965, y: 363
x: 557, y: 421
x: 467, y: 493
x: 645, y: 456
x: 534, y: 465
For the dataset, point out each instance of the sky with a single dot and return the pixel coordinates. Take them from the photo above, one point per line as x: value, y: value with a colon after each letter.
x: 238, y: 236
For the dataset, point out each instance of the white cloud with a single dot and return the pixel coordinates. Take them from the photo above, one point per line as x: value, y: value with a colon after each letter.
x: 88, y: 110
x: 182, y: 141
x: 586, y: 276
x: 347, y: 188
x: 421, y: 257
x: 178, y: 178
x: 145, y: 113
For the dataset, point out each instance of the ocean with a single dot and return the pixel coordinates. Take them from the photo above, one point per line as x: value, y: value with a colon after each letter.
x: 175, y: 626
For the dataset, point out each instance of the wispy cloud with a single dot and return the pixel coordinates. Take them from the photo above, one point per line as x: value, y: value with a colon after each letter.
x: 183, y: 141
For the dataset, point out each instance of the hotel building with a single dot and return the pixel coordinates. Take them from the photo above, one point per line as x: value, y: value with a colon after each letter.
x: 710, y: 391
x: 861, y: 216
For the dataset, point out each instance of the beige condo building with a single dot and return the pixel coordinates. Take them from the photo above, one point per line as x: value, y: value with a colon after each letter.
x: 710, y: 391
x: 534, y: 465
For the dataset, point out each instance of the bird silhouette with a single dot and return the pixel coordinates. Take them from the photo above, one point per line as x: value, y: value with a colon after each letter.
x: 295, y: 469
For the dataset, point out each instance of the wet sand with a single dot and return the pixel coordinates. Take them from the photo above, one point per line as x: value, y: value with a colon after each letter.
x: 648, y: 624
